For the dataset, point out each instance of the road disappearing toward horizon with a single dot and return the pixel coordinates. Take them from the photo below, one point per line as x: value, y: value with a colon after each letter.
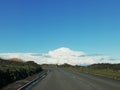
x: 63, y: 79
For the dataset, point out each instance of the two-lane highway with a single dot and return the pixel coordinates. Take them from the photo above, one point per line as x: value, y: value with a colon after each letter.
x: 61, y: 79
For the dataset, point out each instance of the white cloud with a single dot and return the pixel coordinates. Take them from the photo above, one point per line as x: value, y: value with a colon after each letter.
x: 61, y: 56
x: 65, y: 52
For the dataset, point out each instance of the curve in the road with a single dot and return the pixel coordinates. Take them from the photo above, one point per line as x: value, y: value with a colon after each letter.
x: 61, y: 79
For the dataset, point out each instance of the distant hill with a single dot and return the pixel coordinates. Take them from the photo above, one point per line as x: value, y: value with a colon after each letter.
x: 106, y: 66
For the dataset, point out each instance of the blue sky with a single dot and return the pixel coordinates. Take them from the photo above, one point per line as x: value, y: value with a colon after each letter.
x: 92, y: 26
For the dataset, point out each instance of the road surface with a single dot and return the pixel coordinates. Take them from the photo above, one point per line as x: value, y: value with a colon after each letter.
x: 61, y: 79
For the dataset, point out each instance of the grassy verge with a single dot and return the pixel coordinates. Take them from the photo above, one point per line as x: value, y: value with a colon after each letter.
x: 106, y: 73
x: 105, y: 69
x: 115, y: 74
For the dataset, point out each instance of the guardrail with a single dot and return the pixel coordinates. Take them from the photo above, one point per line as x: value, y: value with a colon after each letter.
x: 33, y: 82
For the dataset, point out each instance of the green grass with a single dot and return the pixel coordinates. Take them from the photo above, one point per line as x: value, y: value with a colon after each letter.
x: 102, y: 72
x: 110, y: 73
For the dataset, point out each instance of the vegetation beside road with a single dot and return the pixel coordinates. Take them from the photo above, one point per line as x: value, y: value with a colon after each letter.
x: 108, y: 70
x: 16, y: 69
x: 103, y: 69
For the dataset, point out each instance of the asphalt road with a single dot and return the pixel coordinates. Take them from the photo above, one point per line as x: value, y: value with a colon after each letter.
x: 61, y: 79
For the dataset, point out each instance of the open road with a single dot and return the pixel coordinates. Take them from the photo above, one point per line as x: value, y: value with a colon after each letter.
x: 61, y: 79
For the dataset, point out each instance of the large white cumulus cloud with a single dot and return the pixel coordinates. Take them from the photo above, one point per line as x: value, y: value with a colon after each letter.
x: 61, y: 56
